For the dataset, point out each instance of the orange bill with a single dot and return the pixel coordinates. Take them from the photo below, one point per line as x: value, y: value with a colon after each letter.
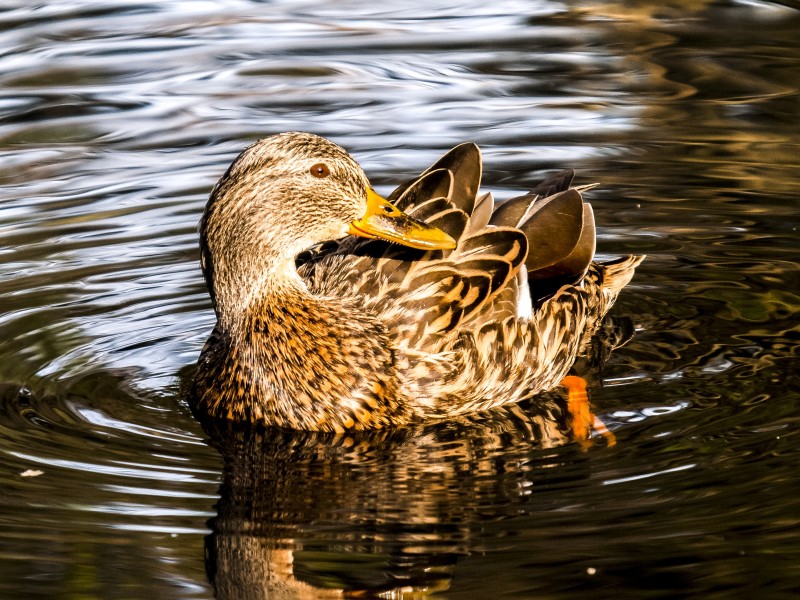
x: 384, y: 221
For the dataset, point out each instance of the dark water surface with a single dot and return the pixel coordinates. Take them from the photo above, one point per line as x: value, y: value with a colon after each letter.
x: 116, y: 118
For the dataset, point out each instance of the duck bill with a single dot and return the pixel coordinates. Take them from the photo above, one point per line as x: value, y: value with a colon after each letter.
x: 384, y: 221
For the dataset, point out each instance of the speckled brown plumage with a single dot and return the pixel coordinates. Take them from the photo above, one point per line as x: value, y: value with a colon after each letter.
x: 319, y: 330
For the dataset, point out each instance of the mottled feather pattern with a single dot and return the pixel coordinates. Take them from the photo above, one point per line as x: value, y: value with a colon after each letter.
x: 464, y: 306
x: 290, y: 358
x: 369, y: 334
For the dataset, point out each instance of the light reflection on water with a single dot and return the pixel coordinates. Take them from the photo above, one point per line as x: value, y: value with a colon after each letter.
x: 116, y: 120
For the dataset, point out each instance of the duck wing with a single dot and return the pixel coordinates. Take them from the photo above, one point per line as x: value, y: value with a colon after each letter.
x: 507, y: 258
x: 426, y: 296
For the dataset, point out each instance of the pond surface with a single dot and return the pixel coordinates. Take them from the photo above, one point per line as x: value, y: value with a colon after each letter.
x: 116, y: 118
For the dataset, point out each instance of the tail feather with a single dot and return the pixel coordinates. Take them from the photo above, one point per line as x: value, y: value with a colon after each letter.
x: 465, y: 166
x: 618, y: 273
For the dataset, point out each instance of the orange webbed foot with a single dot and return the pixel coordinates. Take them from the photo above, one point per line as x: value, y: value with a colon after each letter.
x: 582, y: 418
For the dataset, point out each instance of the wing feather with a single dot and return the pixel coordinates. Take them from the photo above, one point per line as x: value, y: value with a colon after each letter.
x: 432, y: 299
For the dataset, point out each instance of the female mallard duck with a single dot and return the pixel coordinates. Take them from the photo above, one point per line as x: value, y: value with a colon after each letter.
x: 429, y: 317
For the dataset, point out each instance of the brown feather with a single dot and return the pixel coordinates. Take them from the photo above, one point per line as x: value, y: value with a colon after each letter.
x: 383, y: 335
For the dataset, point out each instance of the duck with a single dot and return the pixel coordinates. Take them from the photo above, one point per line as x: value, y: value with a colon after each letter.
x: 341, y: 310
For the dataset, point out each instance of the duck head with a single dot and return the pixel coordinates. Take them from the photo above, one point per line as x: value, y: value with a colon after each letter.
x: 282, y: 195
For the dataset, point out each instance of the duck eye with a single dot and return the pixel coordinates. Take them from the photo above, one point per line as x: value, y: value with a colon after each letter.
x: 320, y: 170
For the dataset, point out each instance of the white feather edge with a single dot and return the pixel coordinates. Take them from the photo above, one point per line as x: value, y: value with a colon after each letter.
x: 524, y: 301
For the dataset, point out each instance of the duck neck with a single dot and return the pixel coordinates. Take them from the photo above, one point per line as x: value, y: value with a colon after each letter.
x: 294, y: 359
x: 272, y: 283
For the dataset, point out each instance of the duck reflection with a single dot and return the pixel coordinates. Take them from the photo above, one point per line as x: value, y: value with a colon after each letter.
x: 304, y: 515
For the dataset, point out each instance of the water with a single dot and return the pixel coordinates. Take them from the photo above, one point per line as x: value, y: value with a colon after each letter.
x: 116, y: 118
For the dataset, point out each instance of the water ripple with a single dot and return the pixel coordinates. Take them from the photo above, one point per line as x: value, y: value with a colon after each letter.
x: 117, y: 118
